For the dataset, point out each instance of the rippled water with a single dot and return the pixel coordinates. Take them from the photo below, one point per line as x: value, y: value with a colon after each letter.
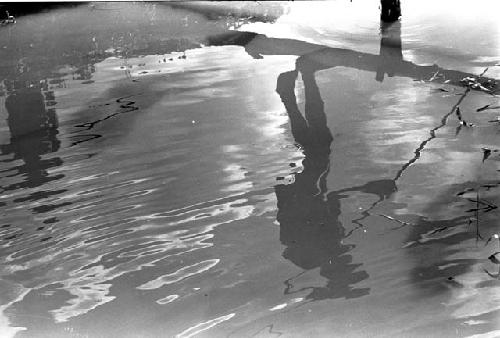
x: 163, y: 175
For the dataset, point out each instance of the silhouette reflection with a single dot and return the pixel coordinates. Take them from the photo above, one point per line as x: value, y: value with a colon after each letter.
x: 308, y: 215
x: 309, y: 225
x: 33, y: 130
x: 322, y: 57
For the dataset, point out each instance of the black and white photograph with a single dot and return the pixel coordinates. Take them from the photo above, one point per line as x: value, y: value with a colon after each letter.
x: 250, y: 169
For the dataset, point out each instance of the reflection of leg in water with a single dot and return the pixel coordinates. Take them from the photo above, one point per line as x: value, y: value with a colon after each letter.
x: 309, y: 226
x: 285, y: 88
x: 320, y: 136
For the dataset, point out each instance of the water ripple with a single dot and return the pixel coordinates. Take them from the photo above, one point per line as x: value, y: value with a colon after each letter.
x: 179, y: 275
x: 204, y: 326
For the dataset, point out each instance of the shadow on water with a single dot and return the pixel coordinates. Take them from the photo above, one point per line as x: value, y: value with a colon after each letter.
x: 309, y: 225
x: 310, y: 228
x: 308, y: 215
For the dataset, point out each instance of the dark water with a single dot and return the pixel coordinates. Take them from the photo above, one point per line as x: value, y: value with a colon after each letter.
x: 163, y: 175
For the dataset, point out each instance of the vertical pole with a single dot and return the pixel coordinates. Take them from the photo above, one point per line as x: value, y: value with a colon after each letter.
x: 391, y: 10
x: 391, y: 53
x: 390, y: 42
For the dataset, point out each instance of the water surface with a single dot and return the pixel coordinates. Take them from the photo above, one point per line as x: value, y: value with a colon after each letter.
x: 249, y: 170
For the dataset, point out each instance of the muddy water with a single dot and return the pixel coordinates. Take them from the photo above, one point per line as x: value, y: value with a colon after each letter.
x: 161, y: 179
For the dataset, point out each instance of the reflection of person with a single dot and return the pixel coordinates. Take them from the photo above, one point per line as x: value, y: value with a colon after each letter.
x: 309, y: 225
x: 308, y: 216
x: 33, y: 131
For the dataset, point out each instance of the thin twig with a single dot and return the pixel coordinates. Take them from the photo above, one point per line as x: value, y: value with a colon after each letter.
x: 395, y: 219
x: 478, y: 235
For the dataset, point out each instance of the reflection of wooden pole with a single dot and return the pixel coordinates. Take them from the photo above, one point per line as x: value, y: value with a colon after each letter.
x: 391, y: 10
x: 390, y: 48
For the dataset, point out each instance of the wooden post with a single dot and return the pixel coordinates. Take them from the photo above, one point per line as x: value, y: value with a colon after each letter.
x: 391, y: 10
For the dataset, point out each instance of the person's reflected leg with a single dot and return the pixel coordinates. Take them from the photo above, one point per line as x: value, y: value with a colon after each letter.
x: 286, y: 89
x: 319, y: 131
